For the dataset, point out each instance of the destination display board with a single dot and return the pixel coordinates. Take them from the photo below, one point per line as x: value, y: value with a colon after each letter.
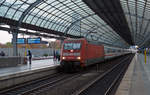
x: 33, y: 40
x: 21, y: 41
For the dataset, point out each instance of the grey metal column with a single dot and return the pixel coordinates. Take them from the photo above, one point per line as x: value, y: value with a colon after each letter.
x: 62, y: 41
x: 14, y: 42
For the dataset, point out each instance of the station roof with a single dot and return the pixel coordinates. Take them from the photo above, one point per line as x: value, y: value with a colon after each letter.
x: 115, y: 22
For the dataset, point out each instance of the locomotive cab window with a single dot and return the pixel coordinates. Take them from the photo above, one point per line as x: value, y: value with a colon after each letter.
x: 69, y: 46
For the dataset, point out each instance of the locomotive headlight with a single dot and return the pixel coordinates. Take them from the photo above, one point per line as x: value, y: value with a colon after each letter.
x: 63, y: 57
x: 78, y: 58
x: 71, y: 50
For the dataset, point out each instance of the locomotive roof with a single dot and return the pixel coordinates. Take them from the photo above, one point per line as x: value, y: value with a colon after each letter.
x: 71, y: 39
x: 93, y: 42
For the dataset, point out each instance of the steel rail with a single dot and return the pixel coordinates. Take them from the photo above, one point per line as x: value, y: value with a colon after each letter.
x: 78, y: 92
x: 12, y: 89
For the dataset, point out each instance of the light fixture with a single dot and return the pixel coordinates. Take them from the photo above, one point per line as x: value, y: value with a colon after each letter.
x: 63, y: 58
x: 78, y: 58
x: 71, y: 50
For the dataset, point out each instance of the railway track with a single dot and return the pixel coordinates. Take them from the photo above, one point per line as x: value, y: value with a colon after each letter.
x: 79, y: 84
x: 56, y: 83
x: 107, y: 83
x: 49, y: 85
x: 36, y: 86
x: 25, y: 87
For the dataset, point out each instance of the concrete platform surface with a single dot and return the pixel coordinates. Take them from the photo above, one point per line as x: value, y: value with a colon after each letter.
x: 137, y: 78
x: 12, y: 76
x: 36, y: 64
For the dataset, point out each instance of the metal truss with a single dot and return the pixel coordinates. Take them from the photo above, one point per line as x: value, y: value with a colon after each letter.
x: 67, y: 18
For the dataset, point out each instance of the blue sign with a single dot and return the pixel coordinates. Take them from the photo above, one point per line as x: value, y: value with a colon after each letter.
x: 34, y: 40
x: 21, y: 41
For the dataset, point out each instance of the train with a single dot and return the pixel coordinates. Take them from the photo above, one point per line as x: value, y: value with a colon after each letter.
x: 80, y: 53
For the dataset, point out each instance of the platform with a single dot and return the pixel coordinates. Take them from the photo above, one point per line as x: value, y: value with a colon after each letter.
x: 137, y: 78
x: 12, y: 76
x: 36, y: 64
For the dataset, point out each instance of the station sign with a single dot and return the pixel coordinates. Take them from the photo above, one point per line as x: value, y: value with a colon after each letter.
x: 28, y: 40
x: 21, y: 41
x: 33, y: 40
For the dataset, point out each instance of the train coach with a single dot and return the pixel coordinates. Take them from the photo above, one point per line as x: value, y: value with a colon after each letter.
x: 77, y: 53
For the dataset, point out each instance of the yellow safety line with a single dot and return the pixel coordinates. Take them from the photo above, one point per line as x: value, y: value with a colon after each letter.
x: 145, y: 55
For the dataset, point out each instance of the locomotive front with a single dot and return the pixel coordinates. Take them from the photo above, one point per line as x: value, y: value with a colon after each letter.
x: 71, y: 54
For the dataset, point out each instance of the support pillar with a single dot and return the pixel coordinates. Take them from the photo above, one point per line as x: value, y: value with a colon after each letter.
x: 14, y: 42
x: 61, y: 42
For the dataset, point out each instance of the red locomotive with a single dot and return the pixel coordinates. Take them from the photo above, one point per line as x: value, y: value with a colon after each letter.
x: 81, y: 52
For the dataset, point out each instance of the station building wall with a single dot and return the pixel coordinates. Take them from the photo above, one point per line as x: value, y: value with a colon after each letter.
x: 35, y: 52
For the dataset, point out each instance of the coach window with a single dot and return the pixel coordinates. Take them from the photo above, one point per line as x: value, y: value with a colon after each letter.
x: 113, y: 51
x: 108, y: 51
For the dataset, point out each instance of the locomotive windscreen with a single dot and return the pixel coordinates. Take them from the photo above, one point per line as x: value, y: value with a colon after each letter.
x: 69, y: 46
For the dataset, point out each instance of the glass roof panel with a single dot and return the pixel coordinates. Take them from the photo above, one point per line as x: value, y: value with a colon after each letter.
x: 17, y: 15
x: 4, y: 10
x: 68, y: 16
x: 138, y: 19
